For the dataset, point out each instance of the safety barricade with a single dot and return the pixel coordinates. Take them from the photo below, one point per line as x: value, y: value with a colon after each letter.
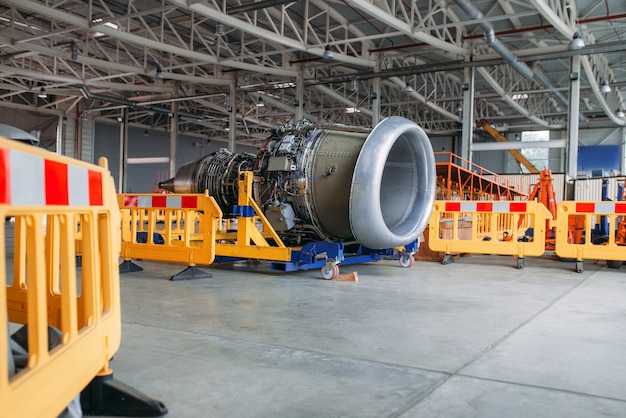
x: 68, y: 318
x: 488, y: 227
x: 176, y: 228
x: 575, y: 223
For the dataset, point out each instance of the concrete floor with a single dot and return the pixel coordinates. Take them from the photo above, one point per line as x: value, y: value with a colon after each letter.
x: 477, y: 338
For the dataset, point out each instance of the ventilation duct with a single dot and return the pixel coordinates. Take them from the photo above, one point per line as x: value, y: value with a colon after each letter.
x: 527, y: 72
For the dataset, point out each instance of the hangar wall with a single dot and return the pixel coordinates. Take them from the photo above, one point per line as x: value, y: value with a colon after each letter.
x: 144, y: 177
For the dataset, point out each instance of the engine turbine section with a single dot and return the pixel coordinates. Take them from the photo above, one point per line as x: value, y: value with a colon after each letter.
x: 339, y: 183
x: 217, y: 173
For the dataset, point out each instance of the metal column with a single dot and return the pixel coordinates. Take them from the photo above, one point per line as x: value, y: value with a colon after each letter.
x: 232, y: 116
x: 300, y: 93
x: 573, y: 117
x: 121, y: 187
x: 375, y: 94
x: 174, y: 139
x: 468, y: 113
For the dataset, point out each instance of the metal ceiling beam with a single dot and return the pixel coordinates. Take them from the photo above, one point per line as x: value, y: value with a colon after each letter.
x: 531, y: 55
x: 568, y: 32
x: 280, y: 105
x: 401, y: 85
x: 85, y: 24
x: 253, y: 6
x: 513, y: 103
x: 384, y: 17
x: 109, y: 65
x: 213, y: 13
x: 339, y: 98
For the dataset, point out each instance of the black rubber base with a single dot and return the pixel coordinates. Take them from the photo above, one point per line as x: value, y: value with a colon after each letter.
x: 105, y: 396
x: 191, y: 273
x: 447, y: 259
x: 129, y: 267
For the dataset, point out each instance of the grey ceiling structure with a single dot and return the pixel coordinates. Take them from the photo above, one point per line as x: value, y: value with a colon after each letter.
x: 259, y: 64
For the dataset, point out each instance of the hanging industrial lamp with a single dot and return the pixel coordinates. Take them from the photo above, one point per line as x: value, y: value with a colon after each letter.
x: 577, y: 42
x: 328, y: 54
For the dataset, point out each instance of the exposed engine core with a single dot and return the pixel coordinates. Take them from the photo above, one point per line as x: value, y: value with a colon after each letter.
x: 217, y: 173
x: 330, y: 182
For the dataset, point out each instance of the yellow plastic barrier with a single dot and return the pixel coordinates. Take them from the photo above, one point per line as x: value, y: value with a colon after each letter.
x: 575, y: 222
x: 487, y: 227
x: 47, y: 195
x: 176, y: 228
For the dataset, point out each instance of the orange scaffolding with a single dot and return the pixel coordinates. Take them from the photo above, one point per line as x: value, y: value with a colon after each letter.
x: 460, y: 179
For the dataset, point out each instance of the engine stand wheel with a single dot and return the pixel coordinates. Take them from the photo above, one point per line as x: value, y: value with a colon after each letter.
x: 406, y: 260
x: 329, y: 271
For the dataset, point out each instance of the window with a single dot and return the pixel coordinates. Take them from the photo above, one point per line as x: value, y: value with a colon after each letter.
x: 539, y: 157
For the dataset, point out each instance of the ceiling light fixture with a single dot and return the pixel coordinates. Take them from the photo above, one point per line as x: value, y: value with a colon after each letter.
x: 458, y: 110
x: 619, y: 113
x: 408, y: 89
x: 42, y: 93
x: 220, y: 30
x: 353, y: 85
x: 260, y: 103
x: 158, y: 73
x: 328, y: 54
x: 605, y: 87
x: 577, y: 42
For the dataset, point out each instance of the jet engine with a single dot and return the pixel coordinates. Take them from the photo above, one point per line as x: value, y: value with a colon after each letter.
x: 330, y: 182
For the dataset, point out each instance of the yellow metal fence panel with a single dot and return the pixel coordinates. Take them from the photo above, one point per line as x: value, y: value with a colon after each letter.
x: 176, y: 228
x: 574, y: 225
x: 46, y: 196
x: 485, y: 227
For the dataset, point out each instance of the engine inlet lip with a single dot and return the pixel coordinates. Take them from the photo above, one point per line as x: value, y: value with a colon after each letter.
x: 367, y: 221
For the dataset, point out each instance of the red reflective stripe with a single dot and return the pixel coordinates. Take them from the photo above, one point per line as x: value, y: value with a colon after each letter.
x: 620, y: 207
x: 95, y: 188
x: 55, y: 177
x: 189, y: 202
x: 131, y: 201
x: 517, y: 207
x: 484, y: 207
x: 159, y: 201
x: 5, y: 180
x: 585, y: 207
x: 453, y: 206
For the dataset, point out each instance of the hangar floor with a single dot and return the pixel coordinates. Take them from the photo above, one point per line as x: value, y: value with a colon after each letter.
x: 477, y: 338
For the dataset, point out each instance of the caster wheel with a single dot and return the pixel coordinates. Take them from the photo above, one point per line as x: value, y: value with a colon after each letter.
x: 330, y: 272
x: 406, y: 260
